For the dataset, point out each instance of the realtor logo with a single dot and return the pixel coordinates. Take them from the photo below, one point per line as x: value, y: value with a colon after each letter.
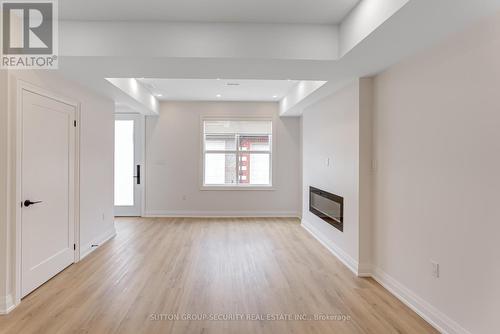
x: 29, y: 34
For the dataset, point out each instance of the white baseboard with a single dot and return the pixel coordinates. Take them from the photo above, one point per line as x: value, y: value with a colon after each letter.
x: 6, y: 304
x: 428, y: 312
x: 220, y: 214
x: 345, y: 258
x: 100, y: 240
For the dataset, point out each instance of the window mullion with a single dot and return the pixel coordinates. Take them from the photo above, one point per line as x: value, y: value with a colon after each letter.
x: 221, y: 151
x: 237, y: 137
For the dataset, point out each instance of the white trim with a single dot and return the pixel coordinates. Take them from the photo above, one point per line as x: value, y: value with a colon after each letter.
x: 345, y: 258
x: 142, y: 143
x: 7, y: 304
x: 427, y: 311
x: 139, y: 159
x: 99, y: 241
x: 144, y: 165
x: 77, y: 181
x: 20, y: 86
x: 221, y: 214
x: 237, y: 188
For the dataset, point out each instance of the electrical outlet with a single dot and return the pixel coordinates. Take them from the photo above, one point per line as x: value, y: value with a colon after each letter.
x: 435, y: 269
x: 328, y: 162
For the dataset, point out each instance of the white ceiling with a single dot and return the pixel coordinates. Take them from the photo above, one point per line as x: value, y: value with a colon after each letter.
x: 253, y: 11
x: 218, y: 89
x: 399, y: 37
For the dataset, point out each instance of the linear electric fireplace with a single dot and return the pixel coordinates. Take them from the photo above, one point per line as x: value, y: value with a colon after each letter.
x: 327, y: 206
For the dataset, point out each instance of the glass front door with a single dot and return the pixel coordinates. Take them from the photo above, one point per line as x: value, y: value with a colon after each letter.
x: 129, y: 176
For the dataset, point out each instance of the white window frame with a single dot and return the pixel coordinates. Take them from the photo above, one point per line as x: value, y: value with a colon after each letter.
x: 236, y: 187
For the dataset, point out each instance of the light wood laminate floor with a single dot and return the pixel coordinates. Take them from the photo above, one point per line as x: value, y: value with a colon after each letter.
x: 176, y: 268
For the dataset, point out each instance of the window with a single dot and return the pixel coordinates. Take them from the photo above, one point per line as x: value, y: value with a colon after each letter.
x: 237, y: 153
x: 124, y: 163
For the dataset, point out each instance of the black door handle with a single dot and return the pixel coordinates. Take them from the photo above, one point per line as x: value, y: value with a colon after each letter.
x: 28, y: 202
x: 138, y: 174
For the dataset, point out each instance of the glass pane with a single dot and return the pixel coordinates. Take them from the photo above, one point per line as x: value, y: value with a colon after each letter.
x: 224, y: 142
x: 124, y: 162
x: 254, y: 169
x: 326, y: 206
x: 255, y: 143
x: 220, y: 169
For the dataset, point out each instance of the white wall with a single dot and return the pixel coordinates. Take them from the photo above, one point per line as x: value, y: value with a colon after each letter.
x: 199, y: 40
x: 364, y: 19
x: 136, y: 90
x: 437, y: 184
x: 3, y: 187
x: 290, y: 105
x: 331, y: 129
x: 173, y: 153
x: 96, y: 158
x: 365, y: 176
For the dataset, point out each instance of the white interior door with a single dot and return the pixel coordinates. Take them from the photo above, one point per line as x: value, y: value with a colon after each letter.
x: 47, y: 188
x: 129, y: 174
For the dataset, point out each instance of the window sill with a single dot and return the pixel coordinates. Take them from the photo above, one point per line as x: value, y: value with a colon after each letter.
x: 237, y: 188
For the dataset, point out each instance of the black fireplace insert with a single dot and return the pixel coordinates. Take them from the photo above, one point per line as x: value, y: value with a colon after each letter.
x: 327, y: 206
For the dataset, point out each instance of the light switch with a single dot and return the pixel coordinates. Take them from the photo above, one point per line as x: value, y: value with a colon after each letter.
x: 435, y: 269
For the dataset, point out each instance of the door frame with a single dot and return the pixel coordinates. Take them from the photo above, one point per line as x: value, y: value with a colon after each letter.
x: 21, y: 86
x: 139, y: 142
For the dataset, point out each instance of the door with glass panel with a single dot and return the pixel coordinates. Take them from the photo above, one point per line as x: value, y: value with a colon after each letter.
x: 129, y: 176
